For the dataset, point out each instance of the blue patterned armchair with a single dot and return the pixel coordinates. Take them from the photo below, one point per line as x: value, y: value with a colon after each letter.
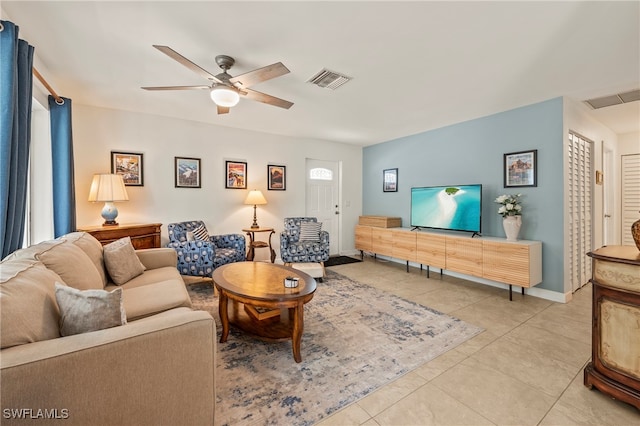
x: 201, y: 257
x: 294, y: 249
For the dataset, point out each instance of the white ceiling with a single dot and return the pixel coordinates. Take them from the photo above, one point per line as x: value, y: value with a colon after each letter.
x: 415, y: 65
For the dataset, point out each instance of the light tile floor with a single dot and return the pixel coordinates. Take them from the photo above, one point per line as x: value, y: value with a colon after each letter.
x: 526, y: 368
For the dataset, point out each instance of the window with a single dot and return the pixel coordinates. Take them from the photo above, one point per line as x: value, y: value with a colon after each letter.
x: 320, y: 173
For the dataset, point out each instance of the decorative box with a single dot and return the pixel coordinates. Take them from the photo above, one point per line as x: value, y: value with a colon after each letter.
x: 381, y: 221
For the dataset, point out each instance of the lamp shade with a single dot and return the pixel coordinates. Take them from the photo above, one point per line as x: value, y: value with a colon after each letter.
x: 255, y: 197
x: 108, y: 187
x: 224, y: 96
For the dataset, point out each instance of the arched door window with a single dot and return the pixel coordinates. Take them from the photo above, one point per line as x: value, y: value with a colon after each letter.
x: 320, y: 173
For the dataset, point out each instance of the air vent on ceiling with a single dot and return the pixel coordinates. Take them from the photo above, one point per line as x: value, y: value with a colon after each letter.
x: 620, y: 98
x: 329, y: 79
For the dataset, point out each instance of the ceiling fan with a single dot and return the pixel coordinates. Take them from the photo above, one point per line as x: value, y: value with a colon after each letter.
x: 226, y: 90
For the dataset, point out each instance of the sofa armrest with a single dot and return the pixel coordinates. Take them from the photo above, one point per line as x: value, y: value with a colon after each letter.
x: 285, y: 240
x: 157, y: 257
x: 236, y: 241
x: 155, y: 371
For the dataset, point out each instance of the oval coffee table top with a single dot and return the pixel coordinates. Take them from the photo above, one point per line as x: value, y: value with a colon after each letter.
x: 262, y: 281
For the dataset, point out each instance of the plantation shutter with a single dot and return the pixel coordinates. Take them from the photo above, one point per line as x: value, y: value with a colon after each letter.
x: 580, y: 209
x: 630, y: 173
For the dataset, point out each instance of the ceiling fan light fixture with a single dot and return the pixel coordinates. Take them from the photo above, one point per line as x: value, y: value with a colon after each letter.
x: 224, y: 96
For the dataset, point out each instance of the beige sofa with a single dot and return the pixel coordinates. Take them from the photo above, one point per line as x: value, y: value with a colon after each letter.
x: 157, y: 369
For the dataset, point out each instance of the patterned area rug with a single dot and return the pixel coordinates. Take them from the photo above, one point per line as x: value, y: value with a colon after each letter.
x: 356, y: 339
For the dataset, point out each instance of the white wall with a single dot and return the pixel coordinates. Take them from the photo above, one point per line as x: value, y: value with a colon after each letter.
x: 98, y: 131
x: 629, y: 143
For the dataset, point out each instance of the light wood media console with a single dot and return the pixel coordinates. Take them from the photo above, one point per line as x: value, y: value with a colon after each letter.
x: 509, y: 262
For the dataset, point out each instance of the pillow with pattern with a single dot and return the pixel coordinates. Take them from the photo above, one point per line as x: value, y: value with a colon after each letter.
x: 310, y: 231
x: 201, y: 234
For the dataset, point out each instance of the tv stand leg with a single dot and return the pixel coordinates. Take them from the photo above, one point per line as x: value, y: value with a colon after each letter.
x: 427, y: 271
x: 510, y: 294
x: 441, y: 273
x: 407, y: 266
x: 361, y: 254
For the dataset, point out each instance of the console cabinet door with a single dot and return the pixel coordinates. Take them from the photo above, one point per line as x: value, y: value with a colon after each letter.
x: 382, y: 241
x: 431, y: 249
x: 506, y: 263
x: 404, y: 245
x: 363, y: 238
x: 464, y: 255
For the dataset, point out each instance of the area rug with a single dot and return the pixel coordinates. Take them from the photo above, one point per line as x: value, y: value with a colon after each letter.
x: 356, y: 339
x: 340, y: 260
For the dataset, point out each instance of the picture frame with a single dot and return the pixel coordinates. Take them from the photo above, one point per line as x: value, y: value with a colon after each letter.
x: 235, y: 175
x: 130, y: 166
x: 187, y: 172
x: 276, y: 178
x: 390, y: 180
x: 520, y: 169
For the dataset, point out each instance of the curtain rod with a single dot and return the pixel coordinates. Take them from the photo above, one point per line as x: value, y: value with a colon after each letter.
x: 39, y: 76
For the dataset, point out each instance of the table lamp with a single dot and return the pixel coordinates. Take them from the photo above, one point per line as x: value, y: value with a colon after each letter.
x: 255, y: 197
x: 108, y: 188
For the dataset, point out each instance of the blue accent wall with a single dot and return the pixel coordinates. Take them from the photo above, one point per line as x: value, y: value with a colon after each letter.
x: 472, y: 152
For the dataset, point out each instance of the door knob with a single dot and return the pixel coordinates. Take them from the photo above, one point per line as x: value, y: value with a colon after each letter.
x: 337, y: 212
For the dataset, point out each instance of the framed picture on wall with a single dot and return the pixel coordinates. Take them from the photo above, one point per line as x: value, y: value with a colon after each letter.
x: 129, y: 165
x: 276, y: 178
x: 187, y: 172
x: 390, y: 180
x: 520, y: 169
x: 236, y: 175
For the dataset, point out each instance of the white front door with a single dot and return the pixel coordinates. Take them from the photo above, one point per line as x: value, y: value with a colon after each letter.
x: 322, y: 198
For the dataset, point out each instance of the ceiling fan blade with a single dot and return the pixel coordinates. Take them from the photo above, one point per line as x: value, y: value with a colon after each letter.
x: 176, y: 87
x: 261, y: 74
x: 267, y: 99
x: 222, y: 110
x: 186, y: 62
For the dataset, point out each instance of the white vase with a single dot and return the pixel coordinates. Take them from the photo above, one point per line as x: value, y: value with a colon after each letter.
x: 511, y: 225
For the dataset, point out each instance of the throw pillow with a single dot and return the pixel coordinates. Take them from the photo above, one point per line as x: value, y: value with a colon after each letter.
x: 121, y: 261
x: 310, y: 231
x: 89, y: 310
x: 201, y: 234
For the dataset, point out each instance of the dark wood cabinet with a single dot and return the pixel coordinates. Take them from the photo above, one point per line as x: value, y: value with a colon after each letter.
x: 615, y: 354
x: 143, y: 235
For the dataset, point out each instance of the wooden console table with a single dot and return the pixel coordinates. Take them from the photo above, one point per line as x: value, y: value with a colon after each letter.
x: 516, y: 263
x: 253, y: 244
x: 143, y: 235
x: 615, y: 349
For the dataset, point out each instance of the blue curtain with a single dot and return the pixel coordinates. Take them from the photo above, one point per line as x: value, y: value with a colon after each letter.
x: 16, y: 79
x: 64, y: 199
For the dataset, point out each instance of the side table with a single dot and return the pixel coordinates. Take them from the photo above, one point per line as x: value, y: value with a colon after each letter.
x: 143, y: 235
x: 253, y: 244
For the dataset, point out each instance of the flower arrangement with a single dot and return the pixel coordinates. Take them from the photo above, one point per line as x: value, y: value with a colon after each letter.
x: 510, y: 205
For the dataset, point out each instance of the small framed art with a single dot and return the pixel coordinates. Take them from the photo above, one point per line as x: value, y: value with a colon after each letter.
x: 276, y: 178
x: 187, y: 172
x: 520, y: 169
x: 129, y: 165
x: 390, y: 180
x: 236, y: 175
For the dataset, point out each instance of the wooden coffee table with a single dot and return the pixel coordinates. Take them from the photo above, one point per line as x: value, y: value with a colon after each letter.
x: 261, y: 304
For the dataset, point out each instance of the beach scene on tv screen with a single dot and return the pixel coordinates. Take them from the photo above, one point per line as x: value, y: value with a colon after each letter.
x: 447, y: 207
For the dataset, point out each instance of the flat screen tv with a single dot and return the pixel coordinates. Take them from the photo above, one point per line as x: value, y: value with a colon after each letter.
x: 452, y: 207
